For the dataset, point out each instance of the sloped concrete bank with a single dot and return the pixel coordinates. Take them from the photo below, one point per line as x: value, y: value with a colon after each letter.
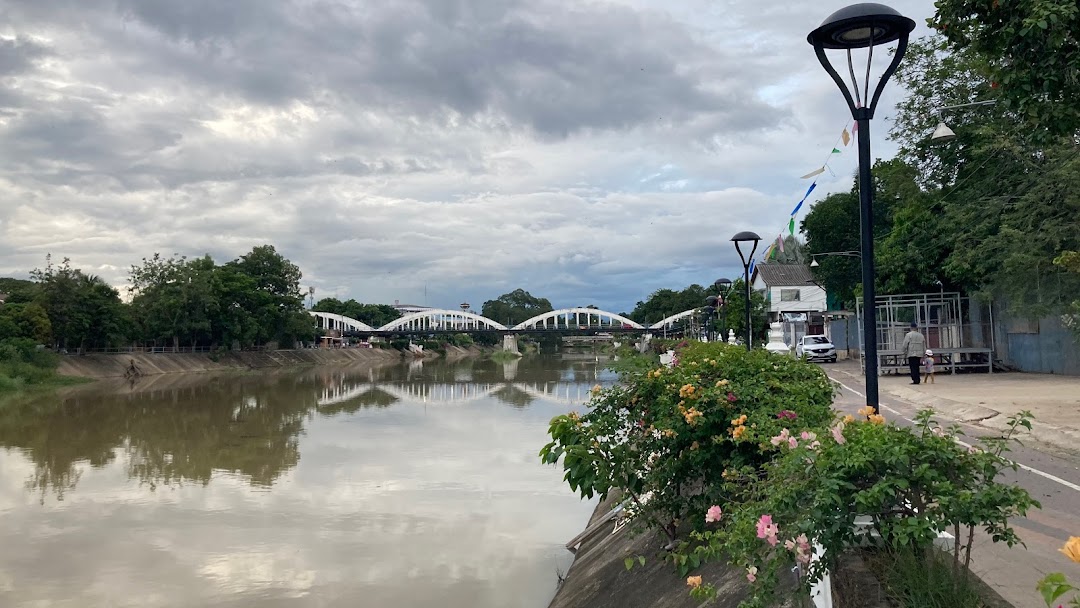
x: 111, y: 366
x: 599, y: 578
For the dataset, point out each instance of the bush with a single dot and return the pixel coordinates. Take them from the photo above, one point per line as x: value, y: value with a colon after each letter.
x: 23, y: 363
x: 911, y: 482
x: 667, y: 436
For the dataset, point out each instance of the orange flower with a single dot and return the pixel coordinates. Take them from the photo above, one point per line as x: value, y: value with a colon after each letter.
x: 877, y: 419
x: 693, y: 582
x: 866, y: 411
x: 738, y: 432
x: 692, y: 416
x: 687, y: 391
x: 741, y: 420
x: 849, y: 419
x: 1072, y: 549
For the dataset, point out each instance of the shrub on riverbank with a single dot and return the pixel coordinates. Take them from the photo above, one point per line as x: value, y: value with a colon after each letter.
x: 23, y: 364
x: 669, y: 436
x: 908, y: 483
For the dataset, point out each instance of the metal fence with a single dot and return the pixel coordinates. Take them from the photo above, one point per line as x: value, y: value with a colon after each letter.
x: 118, y: 350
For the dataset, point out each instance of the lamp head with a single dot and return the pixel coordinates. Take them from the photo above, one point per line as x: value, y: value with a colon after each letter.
x: 942, y: 134
x: 859, y: 26
x: 745, y: 237
x: 722, y: 284
x: 711, y: 301
x: 813, y: 263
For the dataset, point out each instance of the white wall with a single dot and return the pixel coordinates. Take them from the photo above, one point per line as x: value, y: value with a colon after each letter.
x: 811, y: 298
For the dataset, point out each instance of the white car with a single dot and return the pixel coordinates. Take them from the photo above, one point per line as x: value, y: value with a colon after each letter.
x: 816, y: 348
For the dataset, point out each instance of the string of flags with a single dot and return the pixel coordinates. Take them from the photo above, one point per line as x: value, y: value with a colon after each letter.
x: 846, y: 138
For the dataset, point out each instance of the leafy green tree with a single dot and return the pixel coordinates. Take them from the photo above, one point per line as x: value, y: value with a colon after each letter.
x: 832, y: 225
x: 273, y: 300
x: 664, y: 303
x: 19, y: 291
x: 375, y: 315
x: 1031, y: 51
x: 733, y: 314
x: 84, y: 310
x: 174, y: 298
x: 514, y: 307
x: 29, y: 321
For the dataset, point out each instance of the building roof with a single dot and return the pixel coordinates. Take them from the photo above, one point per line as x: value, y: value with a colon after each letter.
x: 786, y: 275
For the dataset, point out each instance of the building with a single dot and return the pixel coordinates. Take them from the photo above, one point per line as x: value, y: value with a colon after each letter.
x: 794, y: 298
x: 405, y: 309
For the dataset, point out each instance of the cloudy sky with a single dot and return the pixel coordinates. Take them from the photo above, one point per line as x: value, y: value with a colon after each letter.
x: 427, y: 151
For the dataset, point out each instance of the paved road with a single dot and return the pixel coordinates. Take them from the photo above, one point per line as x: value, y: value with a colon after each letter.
x: 1051, y: 475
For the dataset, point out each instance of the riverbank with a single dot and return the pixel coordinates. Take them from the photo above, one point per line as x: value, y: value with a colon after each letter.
x: 599, y: 578
x: 150, y: 364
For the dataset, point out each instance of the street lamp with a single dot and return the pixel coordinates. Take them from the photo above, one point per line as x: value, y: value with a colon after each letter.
x: 860, y: 26
x: 942, y: 133
x: 814, y: 256
x: 747, y: 237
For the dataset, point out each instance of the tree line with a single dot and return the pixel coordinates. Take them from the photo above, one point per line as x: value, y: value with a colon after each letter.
x: 174, y: 301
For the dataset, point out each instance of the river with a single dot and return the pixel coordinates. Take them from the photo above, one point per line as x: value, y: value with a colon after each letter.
x: 403, y: 486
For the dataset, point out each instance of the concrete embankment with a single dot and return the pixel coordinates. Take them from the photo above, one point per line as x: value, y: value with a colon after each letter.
x: 116, y: 365
x: 599, y: 578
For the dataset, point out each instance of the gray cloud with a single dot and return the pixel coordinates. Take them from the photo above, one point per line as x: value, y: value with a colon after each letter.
x: 589, y: 153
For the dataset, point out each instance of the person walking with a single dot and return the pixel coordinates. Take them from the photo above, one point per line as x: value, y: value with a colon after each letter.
x: 914, y: 348
x: 928, y: 367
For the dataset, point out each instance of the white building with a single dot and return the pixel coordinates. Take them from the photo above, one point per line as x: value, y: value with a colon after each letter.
x: 794, y: 298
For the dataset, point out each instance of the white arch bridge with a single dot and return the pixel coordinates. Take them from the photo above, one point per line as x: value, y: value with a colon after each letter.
x: 566, y: 320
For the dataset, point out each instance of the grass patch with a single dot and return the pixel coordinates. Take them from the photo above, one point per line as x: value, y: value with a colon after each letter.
x: 925, y: 580
x: 501, y: 356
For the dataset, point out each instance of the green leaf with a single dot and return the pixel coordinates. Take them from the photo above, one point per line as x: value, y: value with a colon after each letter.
x: 628, y: 562
x: 1053, y: 586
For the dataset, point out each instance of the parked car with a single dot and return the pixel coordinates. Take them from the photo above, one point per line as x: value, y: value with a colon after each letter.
x: 816, y: 348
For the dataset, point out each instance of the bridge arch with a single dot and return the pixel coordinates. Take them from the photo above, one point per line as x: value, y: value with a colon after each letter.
x: 668, y: 322
x: 614, y: 321
x: 438, y: 319
x: 335, y: 322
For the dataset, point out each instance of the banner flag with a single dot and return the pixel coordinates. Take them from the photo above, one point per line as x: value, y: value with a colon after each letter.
x: 791, y: 226
x: 813, y: 173
x: 780, y: 240
x: 835, y: 150
x: 845, y: 136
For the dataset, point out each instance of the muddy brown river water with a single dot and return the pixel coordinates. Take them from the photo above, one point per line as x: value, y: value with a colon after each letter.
x: 402, y: 486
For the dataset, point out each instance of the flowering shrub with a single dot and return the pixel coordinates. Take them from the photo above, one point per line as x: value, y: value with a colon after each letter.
x: 1052, y: 586
x: 673, y: 434
x: 910, y: 482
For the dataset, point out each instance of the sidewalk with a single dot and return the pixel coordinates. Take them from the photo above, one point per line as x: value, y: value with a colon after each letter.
x: 990, y: 399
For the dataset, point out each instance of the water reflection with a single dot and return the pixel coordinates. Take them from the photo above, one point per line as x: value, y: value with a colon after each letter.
x: 399, y: 486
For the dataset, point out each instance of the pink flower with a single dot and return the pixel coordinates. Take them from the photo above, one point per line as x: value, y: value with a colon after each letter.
x: 815, y: 445
x: 751, y: 573
x: 802, y: 541
x: 713, y: 514
x: 808, y: 436
x: 838, y: 433
x: 732, y: 398
x: 781, y: 438
x: 792, y: 442
x: 789, y: 545
x: 768, y: 530
x: 787, y: 415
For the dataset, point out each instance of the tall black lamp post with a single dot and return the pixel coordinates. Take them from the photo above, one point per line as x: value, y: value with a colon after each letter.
x: 856, y: 27
x: 747, y: 237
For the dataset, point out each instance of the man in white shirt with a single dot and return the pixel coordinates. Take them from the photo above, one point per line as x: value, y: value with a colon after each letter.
x: 914, y: 346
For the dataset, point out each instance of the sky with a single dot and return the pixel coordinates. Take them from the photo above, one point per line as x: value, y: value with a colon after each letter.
x: 423, y: 151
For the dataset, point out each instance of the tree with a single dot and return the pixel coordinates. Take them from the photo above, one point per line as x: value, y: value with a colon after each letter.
x: 19, y: 291
x: 174, y: 297
x: 664, y: 303
x: 514, y: 307
x: 29, y: 321
x: 375, y: 315
x: 273, y: 298
x: 733, y: 315
x: 84, y: 310
x: 1002, y: 199
x: 832, y: 225
x: 1032, y: 53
